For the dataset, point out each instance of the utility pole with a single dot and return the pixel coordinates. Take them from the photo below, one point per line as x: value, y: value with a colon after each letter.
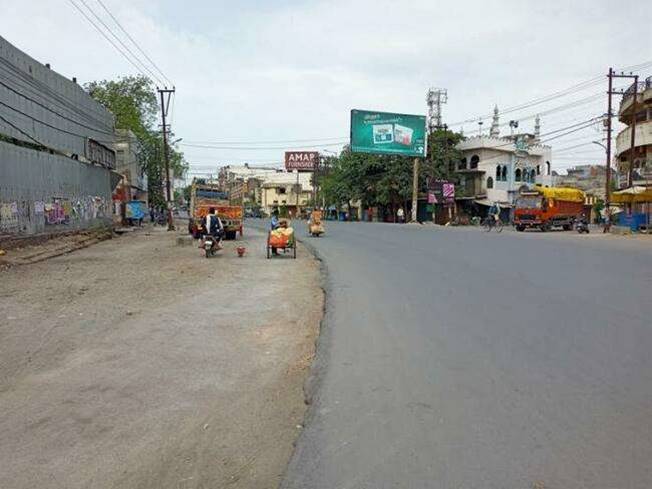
x: 315, y: 166
x: 415, y: 190
x: 607, y: 199
x: 632, y: 128
x: 165, y: 95
x: 298, y: 191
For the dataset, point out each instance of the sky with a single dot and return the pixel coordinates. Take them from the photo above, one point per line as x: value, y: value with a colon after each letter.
x: 248, y: 72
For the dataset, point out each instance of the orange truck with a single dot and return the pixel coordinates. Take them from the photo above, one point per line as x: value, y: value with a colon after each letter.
x: 545, y: 208
x: 204, y: 196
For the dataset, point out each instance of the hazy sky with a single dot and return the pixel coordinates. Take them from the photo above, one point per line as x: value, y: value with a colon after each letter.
x: 290, y: 70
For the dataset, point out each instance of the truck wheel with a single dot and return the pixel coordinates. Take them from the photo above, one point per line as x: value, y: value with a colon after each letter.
x: 520, y: 228
x: 230, y: 235
x: 567, y: 227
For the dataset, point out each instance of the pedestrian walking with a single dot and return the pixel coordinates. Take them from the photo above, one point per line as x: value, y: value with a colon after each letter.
x: 401, y: 215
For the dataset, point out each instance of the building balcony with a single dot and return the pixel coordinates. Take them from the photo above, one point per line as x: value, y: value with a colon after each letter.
x: 642, y: 91
x: 642, y: 137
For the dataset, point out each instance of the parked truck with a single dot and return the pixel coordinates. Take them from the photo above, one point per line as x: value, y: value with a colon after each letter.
x: 545, y: 208
x: 206, y: 195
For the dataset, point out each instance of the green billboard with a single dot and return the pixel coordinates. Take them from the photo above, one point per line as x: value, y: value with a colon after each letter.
x: 387, y: 133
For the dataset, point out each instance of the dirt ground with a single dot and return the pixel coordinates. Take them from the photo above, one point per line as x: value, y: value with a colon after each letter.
x: 137, y: 363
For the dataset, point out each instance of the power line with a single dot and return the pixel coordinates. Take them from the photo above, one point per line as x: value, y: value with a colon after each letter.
x: 81, y: 124
x: 134, y: 42
x: 278, y: 141
x: 106, y: 37
x: 136, y: 58
x: 40, y: 89
x: 21, y: 131
x: 83, y: 136
x: 255, y: 148
x: 560, y: 93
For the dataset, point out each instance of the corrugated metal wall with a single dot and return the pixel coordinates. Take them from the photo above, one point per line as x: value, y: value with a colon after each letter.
x: 41, y: 190
x: 47, y: 106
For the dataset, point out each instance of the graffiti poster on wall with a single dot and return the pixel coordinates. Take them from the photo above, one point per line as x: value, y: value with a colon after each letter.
x: 8, y: 216
x: 55, y: 213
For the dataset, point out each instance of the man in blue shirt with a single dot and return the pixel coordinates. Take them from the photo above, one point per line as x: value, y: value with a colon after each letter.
x: 274, y: 222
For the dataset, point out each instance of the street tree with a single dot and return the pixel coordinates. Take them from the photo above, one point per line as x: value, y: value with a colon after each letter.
x: 443, y: 155
x: 132, y: 99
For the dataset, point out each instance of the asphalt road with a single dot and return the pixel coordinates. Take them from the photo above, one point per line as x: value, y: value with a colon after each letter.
x: 453, y: 358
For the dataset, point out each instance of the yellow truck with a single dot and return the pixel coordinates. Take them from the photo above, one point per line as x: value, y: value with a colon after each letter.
x: 204, y: 196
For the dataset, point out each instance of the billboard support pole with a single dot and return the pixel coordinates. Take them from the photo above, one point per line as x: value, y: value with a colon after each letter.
x: 415, y: 190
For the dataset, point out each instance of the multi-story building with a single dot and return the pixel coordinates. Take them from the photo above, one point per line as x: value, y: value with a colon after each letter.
x: 285, y: 190
x: 589, y: 178
x: 494, y: 168
x: 133, y: 185
x: 636, y: 103
x: 230, y: 173
x: 243, y: 181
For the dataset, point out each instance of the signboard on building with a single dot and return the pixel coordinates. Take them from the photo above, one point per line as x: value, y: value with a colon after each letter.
x: 442, y: 192
x: 301, y: 160
x: 99, y: 154
x: 388, y: 133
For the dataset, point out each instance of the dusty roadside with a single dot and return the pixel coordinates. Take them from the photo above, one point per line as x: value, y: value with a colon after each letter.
x: 136, y: 363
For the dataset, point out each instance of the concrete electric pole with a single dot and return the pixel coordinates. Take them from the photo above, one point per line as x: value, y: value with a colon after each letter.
x: 165, y: 95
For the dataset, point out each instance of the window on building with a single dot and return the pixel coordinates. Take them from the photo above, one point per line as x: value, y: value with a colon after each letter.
x: 503, y: 173
x: 462, y: 165
x: 547, y: 168
x: 538, y: 169
x: 490, y: 182
x: 498, y: 173
x: 475, y: 159
x: 280, y: 190
x: 517, y: 175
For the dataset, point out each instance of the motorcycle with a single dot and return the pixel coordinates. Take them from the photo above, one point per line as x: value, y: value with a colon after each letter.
x: 211, y: 244
x: 582, y: 227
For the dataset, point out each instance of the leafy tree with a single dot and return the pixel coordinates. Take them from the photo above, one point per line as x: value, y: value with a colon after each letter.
x: 387, y: 180
x: 443, y: 155
x: 132, y: 99
x: 597, y: 209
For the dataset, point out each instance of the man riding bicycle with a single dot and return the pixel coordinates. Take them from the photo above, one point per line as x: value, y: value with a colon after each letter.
x: 494, y: 212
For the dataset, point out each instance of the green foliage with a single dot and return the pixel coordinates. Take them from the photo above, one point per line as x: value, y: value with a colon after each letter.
x: 443, y: 155
x: 186, y: 194
x: 132, y: 99
x: 597, y: 208
x: 387, y: 180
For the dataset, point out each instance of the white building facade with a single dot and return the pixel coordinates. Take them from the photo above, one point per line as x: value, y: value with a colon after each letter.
x: 494, y: 168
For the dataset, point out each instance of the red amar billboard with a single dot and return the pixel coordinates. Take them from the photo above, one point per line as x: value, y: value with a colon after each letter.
x: 301, y: 160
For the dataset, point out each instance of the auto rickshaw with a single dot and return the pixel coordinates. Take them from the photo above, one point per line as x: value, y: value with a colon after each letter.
x: 315, y: 226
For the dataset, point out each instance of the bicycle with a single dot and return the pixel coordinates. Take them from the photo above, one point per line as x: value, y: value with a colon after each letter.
x: 490, y: 222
